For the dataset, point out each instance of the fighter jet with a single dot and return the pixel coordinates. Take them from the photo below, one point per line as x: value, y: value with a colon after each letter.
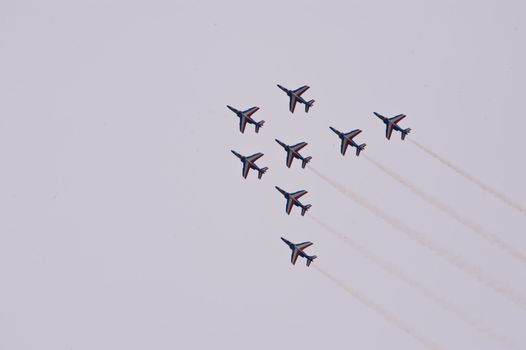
x: 244, y: 118
x: 392, y: 123
x: 293, y: 152
x: 293, y: 199
x: 249, y: 162
x: 297, y: 250
x: 347, y: 140
x: 295, y: 96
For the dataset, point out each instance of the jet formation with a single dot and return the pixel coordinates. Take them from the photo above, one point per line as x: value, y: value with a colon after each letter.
x: 292, y: 199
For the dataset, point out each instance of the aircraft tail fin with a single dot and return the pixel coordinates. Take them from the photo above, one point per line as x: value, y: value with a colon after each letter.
x: 308, y: 105
x: 310, y: 259
x: 305, y: 161
x: 259, y: 125
x: 360, y: 148
x: 261, y: 172
x: 405, y: 132
x: 305, y: 208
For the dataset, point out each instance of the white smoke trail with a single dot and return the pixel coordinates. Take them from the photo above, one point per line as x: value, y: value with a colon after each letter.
x: 427, y: 292
x: 421, y: 239
x: 490, y: 237
x: 371, y: 304
x: 471, y: 178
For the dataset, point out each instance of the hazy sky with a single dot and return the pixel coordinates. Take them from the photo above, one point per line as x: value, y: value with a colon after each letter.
x: 125, y: 222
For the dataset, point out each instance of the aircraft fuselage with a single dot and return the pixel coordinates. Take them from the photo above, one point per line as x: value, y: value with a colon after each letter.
x: 249, y: 120
x: 252, y: 165
x: 295, y: 154
x: 395, y: 126
x: 294, y: 247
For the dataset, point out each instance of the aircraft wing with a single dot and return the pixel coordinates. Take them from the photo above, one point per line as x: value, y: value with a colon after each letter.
x: 255, y: 157
x: 298, y: 146
x: 301, y: 90
x: 246, y: 168
x: 389, y: 131
x: 288, y: 206
x: 242, y: 124
x: 294, y: 256
x: 397, y: 118
x: 290, y: 157
x: 250, y: 111
x: 297, y: 195
x: 352, y: 134
x: 303, y: 245
x: 345, y: 143
x: 292, y: 103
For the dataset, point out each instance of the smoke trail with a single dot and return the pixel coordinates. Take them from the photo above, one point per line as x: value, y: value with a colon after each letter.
x: 497, y: 242
x: 471, y: 178
x: 421, y: 239
x: 386, y: 314
x: 429, y: 293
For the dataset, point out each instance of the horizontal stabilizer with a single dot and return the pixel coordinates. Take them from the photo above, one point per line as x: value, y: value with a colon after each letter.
x: 308, y: 105
x: 259, y: 125
x: 261, y: 172
x: 310, y: 259
x: 360, y: 148
x: 305, y: 208
x: 305, y: 161
x: 405, y: 132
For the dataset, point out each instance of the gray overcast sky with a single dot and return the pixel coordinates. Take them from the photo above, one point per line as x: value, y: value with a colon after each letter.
x: 125, y: 222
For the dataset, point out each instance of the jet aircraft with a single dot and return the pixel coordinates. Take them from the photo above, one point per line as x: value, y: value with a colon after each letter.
x: 297, y: 250
x: 392, y: 123
x: 347, y: 139
x: 249, y: 163
x: 293, y: 199
x: 295, y: 96
x: 245, y: 117
x: 293, y: 152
